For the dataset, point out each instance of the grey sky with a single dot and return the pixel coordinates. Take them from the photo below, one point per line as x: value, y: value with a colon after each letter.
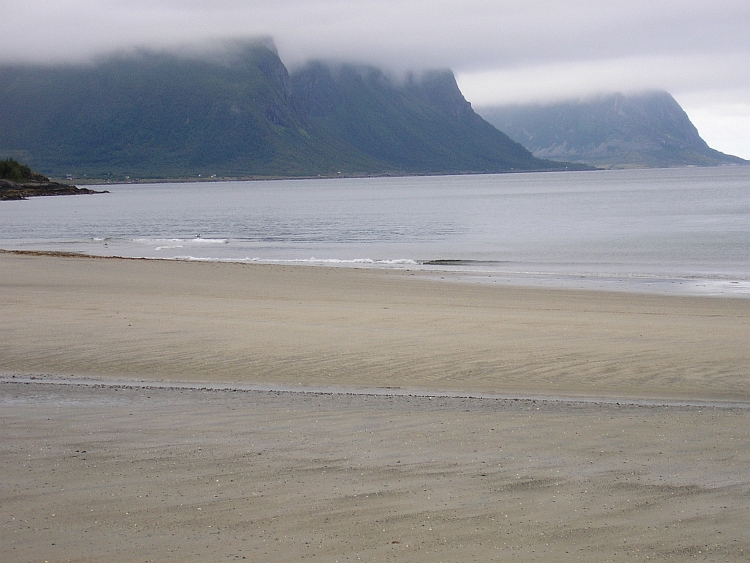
x: 501, y: 51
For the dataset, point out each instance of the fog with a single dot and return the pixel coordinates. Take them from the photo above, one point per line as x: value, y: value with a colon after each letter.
x: 501, y: 51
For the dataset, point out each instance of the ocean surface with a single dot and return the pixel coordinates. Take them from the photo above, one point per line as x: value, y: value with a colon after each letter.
x: 682, y: 231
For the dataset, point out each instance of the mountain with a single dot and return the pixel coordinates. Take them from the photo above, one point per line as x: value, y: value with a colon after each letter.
x: 617, y: 130
x: 154, y: 114
x: 423, y: 125
x: 239, y: 113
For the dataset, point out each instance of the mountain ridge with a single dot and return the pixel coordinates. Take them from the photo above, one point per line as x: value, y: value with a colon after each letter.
x: 242, y: 114
x: 647, y: 129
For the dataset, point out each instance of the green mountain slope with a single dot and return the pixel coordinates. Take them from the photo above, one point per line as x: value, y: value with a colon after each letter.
x: 424, y: 125
x: 240, y: 113
x: 153, y: 114
x: 643, y: 130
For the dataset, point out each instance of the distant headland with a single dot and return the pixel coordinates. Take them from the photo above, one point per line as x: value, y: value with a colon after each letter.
x: 18, y: 181
x: 643, y: 130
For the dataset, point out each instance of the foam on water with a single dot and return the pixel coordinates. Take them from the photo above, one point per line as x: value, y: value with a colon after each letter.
x: 196, y: 240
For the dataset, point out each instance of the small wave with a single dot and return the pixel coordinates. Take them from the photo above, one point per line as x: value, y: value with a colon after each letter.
x: 339, y: 261
x: 181, y: 241
x: 461, y: 262
x: 314, y: 260
x: 208, y: 240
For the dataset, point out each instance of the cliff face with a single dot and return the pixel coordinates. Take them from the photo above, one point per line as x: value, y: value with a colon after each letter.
x: 423, y: 125
x: 152, y: 112
x: 649, y: 129
x: 241, y: 113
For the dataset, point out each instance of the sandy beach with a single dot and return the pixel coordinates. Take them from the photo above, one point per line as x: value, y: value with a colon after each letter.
x: 653, y: 465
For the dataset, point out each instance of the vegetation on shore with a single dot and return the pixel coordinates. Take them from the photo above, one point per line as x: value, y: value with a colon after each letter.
x: 18, y: 181
x: 14, y: 171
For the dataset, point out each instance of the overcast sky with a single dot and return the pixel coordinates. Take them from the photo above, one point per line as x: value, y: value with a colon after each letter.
x: 501, y: 51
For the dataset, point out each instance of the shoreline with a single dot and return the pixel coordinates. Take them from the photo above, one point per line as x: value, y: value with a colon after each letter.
x: 348, y: 176
x: 459, y: 271
x: 209, y: 179
x: 363, y: 328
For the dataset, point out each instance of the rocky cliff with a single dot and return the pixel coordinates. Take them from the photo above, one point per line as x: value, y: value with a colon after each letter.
x: 617, y: 130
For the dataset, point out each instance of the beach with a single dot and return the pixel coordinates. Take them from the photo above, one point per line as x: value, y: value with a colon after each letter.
x: 189, y: 411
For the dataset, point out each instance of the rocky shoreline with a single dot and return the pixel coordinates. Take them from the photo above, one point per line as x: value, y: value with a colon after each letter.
x: 15, y: 191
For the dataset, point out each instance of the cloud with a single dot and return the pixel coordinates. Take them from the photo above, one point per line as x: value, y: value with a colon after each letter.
x: 565, y: 80
x: 468, y: 35
x: 722, y: 118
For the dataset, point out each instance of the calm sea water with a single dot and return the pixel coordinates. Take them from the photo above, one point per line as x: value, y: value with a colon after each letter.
x: 676, y: 230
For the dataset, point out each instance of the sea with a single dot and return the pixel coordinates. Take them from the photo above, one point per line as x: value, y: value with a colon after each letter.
x: 665, y: 231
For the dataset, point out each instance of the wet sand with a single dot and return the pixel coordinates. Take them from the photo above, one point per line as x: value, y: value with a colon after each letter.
x: 136, y: 474
x: 314, y: 326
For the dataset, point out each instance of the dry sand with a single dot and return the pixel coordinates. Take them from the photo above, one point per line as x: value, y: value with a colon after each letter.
x: 122, y: 473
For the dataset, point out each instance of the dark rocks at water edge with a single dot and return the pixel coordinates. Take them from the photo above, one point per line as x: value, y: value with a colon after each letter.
x: 14, y: 191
